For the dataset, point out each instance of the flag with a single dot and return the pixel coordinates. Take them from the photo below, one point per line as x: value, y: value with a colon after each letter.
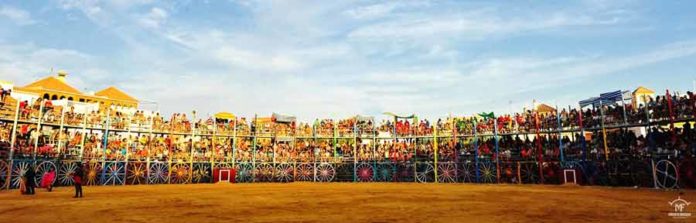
x: 487, y: 116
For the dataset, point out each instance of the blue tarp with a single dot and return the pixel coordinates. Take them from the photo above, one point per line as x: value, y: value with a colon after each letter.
x: 605, y: 98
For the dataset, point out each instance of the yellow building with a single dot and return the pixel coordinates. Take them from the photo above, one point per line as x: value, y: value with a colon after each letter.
x: 544, y: 109
x: 56, y: 88
x: 641, y: 96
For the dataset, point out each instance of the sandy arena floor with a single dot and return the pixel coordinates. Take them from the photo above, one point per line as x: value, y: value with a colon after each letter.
x: 344, y: 202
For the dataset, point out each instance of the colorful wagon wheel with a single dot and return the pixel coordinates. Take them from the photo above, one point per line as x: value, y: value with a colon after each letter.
x: 65, y: 173
x: 385, y: 172
x: 466, y: 172
x: 446, y: 172
x: 284, y: 172
x: 114, y: 173
x: 158, y: 173
x: 666, y: 173
x: 180, y: 173
x: 304, y: 172
x: 92, y: 173
x: 4, y: 174
x: 325, y: 172
x: 137, y: 173
x: 264, y: 172
x: 201, y: 173
x: 404, y: 172
x: 365, y: 172
x: 508, y: 172
x: 488, y: 174
x: 18, y: 170
x: 529, y: 173
x: 424, y: 172
x: 244, y: 172
x: 42, y: 168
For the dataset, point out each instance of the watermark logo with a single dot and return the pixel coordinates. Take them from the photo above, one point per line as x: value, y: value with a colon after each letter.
x: 679, y: 206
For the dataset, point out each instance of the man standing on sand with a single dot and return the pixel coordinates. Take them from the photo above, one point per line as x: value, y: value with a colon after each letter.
x: 77, y: 180
x: 30, y: 176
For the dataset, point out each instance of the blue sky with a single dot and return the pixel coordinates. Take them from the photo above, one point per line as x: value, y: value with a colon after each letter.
x: 340, y: 58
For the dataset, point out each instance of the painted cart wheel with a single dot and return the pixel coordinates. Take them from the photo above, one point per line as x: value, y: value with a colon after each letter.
x: 92, y: 173
x: 114, y: 173
x: 244, y: 172
x: 508, y: 172
x: 18, y: 170
x: 284, y: 172
x: 201, y: 173
x: 424, y: 172
x: 65, y: 173
x: 365, y: 172
x: 4, y: 174
x: 158, y: 173
x: 466, y: 172
x: 137, y: 173
x: 325, y: 172
x: 528, y: 173
x: 667, y: 175
x: 180, y: 173
x: 385, y: 172
x: 488, y: 174
x: 42, y: 168
x: 404, y: 172
x: 264, y: 172
x: 304, y: 172
x: 446, y: 173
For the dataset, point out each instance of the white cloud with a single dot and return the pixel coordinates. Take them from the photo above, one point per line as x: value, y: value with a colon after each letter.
x: 473, y: 25
x: 333, y: 59
x: 155, y: 18
x: 19, y: 16
x: 92, y: 9
x: 25, y: 63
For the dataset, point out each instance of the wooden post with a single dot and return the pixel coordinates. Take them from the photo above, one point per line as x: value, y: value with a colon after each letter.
x: 38, y: 129
x: 128, y: 145
x: 435, y: 150
x: 193, y: 136
x: 12, y: 146
x: 60, y: 131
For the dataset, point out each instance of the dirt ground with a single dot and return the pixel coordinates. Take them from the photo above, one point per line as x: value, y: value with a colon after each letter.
x: 344, y: 202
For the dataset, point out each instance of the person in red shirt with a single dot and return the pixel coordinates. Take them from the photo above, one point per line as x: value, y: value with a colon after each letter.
x: 23, y: 106
x: 77, y: 177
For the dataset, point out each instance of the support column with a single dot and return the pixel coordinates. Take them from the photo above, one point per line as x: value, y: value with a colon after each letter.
x: 193, y: 135
x: 13, y: 140
x: 38, y: 129
x: 435, y: 150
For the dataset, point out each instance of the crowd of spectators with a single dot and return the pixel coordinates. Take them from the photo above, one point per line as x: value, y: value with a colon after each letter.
x: 531, y: 134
